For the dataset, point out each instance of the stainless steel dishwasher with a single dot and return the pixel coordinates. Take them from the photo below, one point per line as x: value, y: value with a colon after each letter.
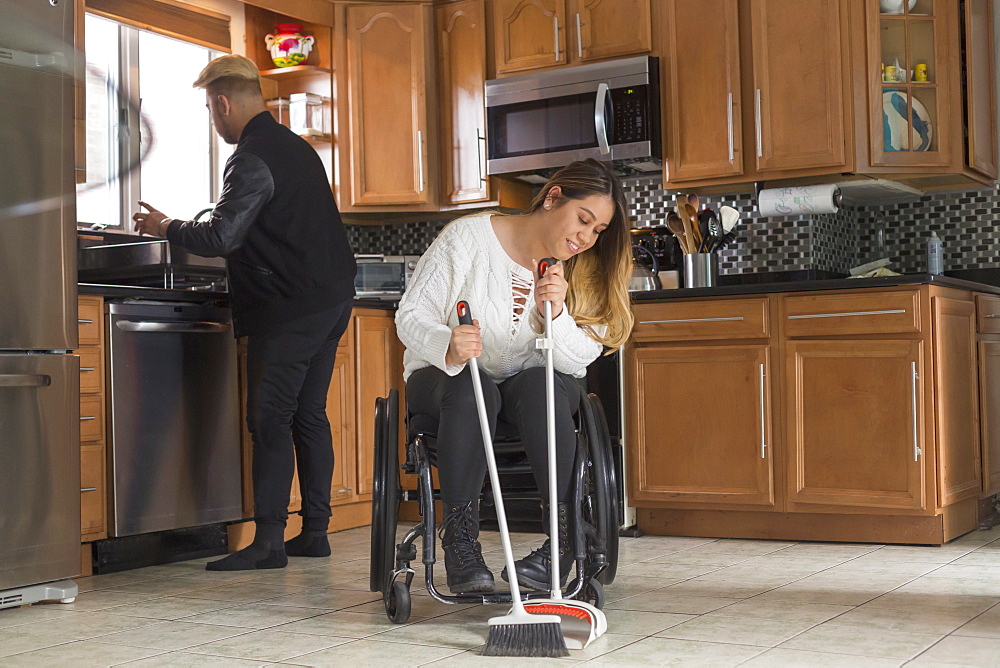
x: 174, y: 413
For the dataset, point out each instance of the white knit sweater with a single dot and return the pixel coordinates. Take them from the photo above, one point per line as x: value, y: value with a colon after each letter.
x: 466, y: 261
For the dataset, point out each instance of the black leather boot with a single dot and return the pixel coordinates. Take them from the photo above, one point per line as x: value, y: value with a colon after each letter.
x: 463, y: 556
x: 533, y: 570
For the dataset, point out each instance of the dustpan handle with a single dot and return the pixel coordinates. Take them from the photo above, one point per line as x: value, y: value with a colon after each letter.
x: 550, y: 423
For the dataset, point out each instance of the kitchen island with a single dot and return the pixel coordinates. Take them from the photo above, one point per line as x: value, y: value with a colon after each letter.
x: 839, y: 409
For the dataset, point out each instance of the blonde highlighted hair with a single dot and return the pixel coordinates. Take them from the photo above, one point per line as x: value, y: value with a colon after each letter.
x: 598, y: 277
x: 229, y: 75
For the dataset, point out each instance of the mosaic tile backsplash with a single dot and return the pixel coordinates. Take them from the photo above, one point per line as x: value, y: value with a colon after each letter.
x: 965, y: 221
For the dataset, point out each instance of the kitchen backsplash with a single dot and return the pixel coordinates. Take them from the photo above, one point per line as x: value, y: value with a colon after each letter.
x: 829, y: 242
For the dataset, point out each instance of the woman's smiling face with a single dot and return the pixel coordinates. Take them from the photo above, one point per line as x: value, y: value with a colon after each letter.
x: 574, y: 224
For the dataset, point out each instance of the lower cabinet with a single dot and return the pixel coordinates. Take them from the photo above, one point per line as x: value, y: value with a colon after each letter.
x: 862, y: 426
x: 988, y: 329
x: 93, y: 485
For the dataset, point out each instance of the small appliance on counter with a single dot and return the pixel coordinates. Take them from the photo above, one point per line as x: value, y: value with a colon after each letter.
x: 383, y: 276
x: 662, y: 245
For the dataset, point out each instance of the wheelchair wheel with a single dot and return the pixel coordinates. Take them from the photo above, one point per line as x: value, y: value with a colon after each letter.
x: 603, y: 482
x: 385, y: 493
x: 593, y: 593
x: 397, y: 602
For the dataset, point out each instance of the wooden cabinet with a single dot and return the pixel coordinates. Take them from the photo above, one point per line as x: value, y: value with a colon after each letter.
x: 387, y: 152
x: 461, y: 48
x: 988, y: 327
x: 980, y: 87
x: 863, y: 425
x: 534, y: 34
x: 340, y: 401
x: 701, y: 74
x: 93, y: 481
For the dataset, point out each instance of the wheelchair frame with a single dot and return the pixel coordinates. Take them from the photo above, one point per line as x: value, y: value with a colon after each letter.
x: 595, y: 508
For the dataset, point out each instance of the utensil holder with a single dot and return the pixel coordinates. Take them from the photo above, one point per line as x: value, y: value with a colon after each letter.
x: 701, y: 270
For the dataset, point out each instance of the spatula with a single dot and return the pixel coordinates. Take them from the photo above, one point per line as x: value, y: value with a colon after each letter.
x: 730, y: 217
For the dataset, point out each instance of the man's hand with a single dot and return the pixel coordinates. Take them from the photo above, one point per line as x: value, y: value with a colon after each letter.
x: 466, y: 342
x: 150, y: 222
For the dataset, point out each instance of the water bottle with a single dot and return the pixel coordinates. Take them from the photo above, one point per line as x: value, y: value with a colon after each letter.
x: 935, y: 255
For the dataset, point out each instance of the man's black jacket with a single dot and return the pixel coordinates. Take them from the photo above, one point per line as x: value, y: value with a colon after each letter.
x: 279, y: 229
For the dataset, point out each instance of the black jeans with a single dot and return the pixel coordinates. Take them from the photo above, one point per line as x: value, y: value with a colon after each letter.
x: 288, y: 376
x: 519, y: 400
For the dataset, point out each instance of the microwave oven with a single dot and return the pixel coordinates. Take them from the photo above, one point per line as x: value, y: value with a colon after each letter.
x: 383, y: 276
x: 609, y: 111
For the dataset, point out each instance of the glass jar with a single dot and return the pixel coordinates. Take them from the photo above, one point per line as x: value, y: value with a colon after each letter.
x: 309, y: 114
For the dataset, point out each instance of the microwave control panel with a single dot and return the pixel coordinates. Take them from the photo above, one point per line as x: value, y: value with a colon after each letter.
x: 631, y: 114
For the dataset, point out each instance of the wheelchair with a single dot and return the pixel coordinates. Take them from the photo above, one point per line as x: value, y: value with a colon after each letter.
x: 594, y: 503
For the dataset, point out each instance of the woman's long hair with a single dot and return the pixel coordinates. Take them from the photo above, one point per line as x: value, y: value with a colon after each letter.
x: 598, y: 277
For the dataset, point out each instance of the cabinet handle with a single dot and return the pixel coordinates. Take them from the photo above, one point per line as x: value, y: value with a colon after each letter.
x: 88, y: 489
x: 667, y: 322
x: 346, y: 489
x: 992, y: 315
x: 729, y: 120
x: 420, y: 158
x: 25, y: 380
x: 756, y: 113
x: 480, y: 140
x: 763, y: 414
x: 84, y: 321
x: 87, y: 418
x: 86, y: 368
x: 555, y: 34
x: 579, y: 37
x: 913, y: 397
x: 845, y: 314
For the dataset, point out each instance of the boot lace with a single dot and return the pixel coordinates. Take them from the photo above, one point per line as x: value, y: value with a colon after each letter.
x: 456, y: 534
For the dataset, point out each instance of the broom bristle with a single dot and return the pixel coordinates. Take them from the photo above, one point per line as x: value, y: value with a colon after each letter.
x: 531, y: 640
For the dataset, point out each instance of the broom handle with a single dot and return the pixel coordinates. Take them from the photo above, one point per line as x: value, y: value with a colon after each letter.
x: 550, y: 420
x: 465, y: 318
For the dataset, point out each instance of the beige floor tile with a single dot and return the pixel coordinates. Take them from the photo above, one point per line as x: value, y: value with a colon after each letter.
x: 930, y: 601
x: 672, y: 652
x: 101, y: 600
x: 458, y: 635
x: 961, y: 651
x: 254, y: 616
x: 756, y: 631
x: 922, y: 620
x: 171, y: 635
x: 659, y: 601
x: 162, y: 587
x: 816, y: 595
x: 775, y: 563
x: 696, y: 558
x: 636, y: 622
x: 836, y: 639
x: 666, y: 571
x: 980, y: 558
x: 967, y: 572
x: 472, y: 659
x: 327, y: 599
x: 933, y: 555
x: 826, y: 551
x: 188, y: 660
x: 371, y: 653
x: 343, y: 625
x: 242, y: 592
x: 81, y: 626
x: 171, y: 607
x: 796, y: 658
x: 814, y: 613
x: 421, y: 605
x: 717, y: 588
x: 81, y: 654
x: 115, y: 580
x: 986, y: 625
x: 633, y: 586
x: 268, y: 645
x: 28, y: 614
x: 28, y: 638
x: 748, y: 548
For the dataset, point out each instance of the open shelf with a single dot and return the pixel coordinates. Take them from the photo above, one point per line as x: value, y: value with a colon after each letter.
x: 294, y: 72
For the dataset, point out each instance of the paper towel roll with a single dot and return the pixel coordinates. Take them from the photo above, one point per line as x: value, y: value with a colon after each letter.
x: 799, y: 200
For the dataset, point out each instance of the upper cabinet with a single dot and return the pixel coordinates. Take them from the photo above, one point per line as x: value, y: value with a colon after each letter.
x: 386, y: 150
x: 980, y: 82
x: 535, y: 34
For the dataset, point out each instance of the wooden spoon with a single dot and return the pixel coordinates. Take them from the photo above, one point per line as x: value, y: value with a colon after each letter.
x: 676, y: 226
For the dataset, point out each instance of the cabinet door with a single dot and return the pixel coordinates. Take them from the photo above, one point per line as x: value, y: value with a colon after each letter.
x: 989, y: 414
x: 377, y: 369
x: 706, y: 441
x: 956, y: 400
x: 798, y: 83
x: 529, y: 34
x: 611, y: 28
x: 461, y: 29
x: 855, y: 430
x: 386, y: 85
x: 980, y: 81
x: 704, y: 134
x: 916, y: 111
x: 340, y: 412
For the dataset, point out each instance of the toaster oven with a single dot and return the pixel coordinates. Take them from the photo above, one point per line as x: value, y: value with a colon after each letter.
x: 383, y: 276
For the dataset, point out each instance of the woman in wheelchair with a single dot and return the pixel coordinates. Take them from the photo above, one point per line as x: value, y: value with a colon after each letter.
x: 489, y: 259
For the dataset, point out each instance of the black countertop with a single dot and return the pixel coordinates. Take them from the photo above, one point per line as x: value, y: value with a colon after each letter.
x: 977, y: 280
x: 198, y: 296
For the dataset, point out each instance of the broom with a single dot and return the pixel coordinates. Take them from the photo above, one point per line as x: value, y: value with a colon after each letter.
x: 517, y: 633
x: 580, y: 622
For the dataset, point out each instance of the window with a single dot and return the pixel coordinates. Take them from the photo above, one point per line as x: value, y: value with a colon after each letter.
x: 149, y: 134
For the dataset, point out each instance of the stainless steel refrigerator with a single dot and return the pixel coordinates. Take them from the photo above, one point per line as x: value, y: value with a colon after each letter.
x: 39, y: 378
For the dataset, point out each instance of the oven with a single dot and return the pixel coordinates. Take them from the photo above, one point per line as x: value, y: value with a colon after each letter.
x: 174, y: 456
x: 609, y: 111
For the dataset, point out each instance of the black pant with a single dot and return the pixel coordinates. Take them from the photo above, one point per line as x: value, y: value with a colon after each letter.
x: 288, y: 376
x: 519, y: 400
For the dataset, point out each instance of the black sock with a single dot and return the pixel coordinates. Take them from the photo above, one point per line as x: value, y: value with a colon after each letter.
x: 308, y: 544
x: 266, y: 551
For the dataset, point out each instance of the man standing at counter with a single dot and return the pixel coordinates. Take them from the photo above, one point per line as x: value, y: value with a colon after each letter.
x: 291, y: 285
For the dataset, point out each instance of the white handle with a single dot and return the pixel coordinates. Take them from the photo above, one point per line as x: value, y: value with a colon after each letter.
x: 550, y: 420
x: 579, y: 38
x: 555, y: 35
x: 729, y: 121
x: 913, y: 389
x: 420, y: 158
x: 600, y: 121
x: 756, y: 105
x: 763, y: 415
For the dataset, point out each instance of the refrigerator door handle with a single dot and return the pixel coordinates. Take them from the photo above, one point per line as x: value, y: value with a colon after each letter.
x: 25, y: 380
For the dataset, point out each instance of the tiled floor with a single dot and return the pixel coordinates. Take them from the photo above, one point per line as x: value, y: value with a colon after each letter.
x: 675, y: 602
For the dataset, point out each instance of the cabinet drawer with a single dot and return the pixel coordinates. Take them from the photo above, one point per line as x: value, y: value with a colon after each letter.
x: 91, y: 362
x: 92, y: 496
x: 835, y: 315
x: 700, y: 321
x: 91, y: 417
x: 89, y: 319
x: 987, y: 314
